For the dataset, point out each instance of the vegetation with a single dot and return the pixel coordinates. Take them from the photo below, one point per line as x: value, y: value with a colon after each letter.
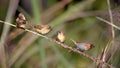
x: 95, y: 22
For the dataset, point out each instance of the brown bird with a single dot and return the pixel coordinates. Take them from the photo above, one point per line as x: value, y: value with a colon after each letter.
x: 83, y: 46
x: 61, y: 36
x: 42, y: 29
x: 21, y: 21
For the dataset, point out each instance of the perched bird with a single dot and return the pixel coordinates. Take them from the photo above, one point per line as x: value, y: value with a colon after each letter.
x: 61, y: 36
x: 83, y: 46
x: 42, y: 29
x: 21, y: 21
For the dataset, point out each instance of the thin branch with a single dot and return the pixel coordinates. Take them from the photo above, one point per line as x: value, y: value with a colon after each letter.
x: 9, y: 16
x: 8, y: 23
x: 65, y: 46
x: 111, y: 19
x: 113, y: 25
x: 112, y: 31
x: 112, y: 35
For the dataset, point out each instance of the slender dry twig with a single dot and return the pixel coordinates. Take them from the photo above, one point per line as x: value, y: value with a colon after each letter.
x: 112, y: 34
x: 111, y: 19
x: 111, y: 50
x: 113, y: 25
x: 103, y: 55
x: 64, y: 46
x: 9, y: 16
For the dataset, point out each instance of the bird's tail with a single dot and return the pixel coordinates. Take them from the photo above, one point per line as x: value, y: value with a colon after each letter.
x: 73, y: 41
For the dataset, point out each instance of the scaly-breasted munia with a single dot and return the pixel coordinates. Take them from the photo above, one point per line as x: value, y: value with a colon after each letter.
x: 21, y: 21
x: 61, y: 36
x: 42, y: 29
x: 83, y: 46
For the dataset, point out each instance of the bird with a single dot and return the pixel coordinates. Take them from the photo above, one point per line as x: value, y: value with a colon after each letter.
x: 83, y: 46
x: 42, y: 29
x: 21, y: 21
x: 61, y: 36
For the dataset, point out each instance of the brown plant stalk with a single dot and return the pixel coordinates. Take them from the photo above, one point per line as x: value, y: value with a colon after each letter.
x: 64, y: 46
x: 104, y: 55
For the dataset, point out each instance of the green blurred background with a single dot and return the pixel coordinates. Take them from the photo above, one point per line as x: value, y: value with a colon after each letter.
x: 76, y: 18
